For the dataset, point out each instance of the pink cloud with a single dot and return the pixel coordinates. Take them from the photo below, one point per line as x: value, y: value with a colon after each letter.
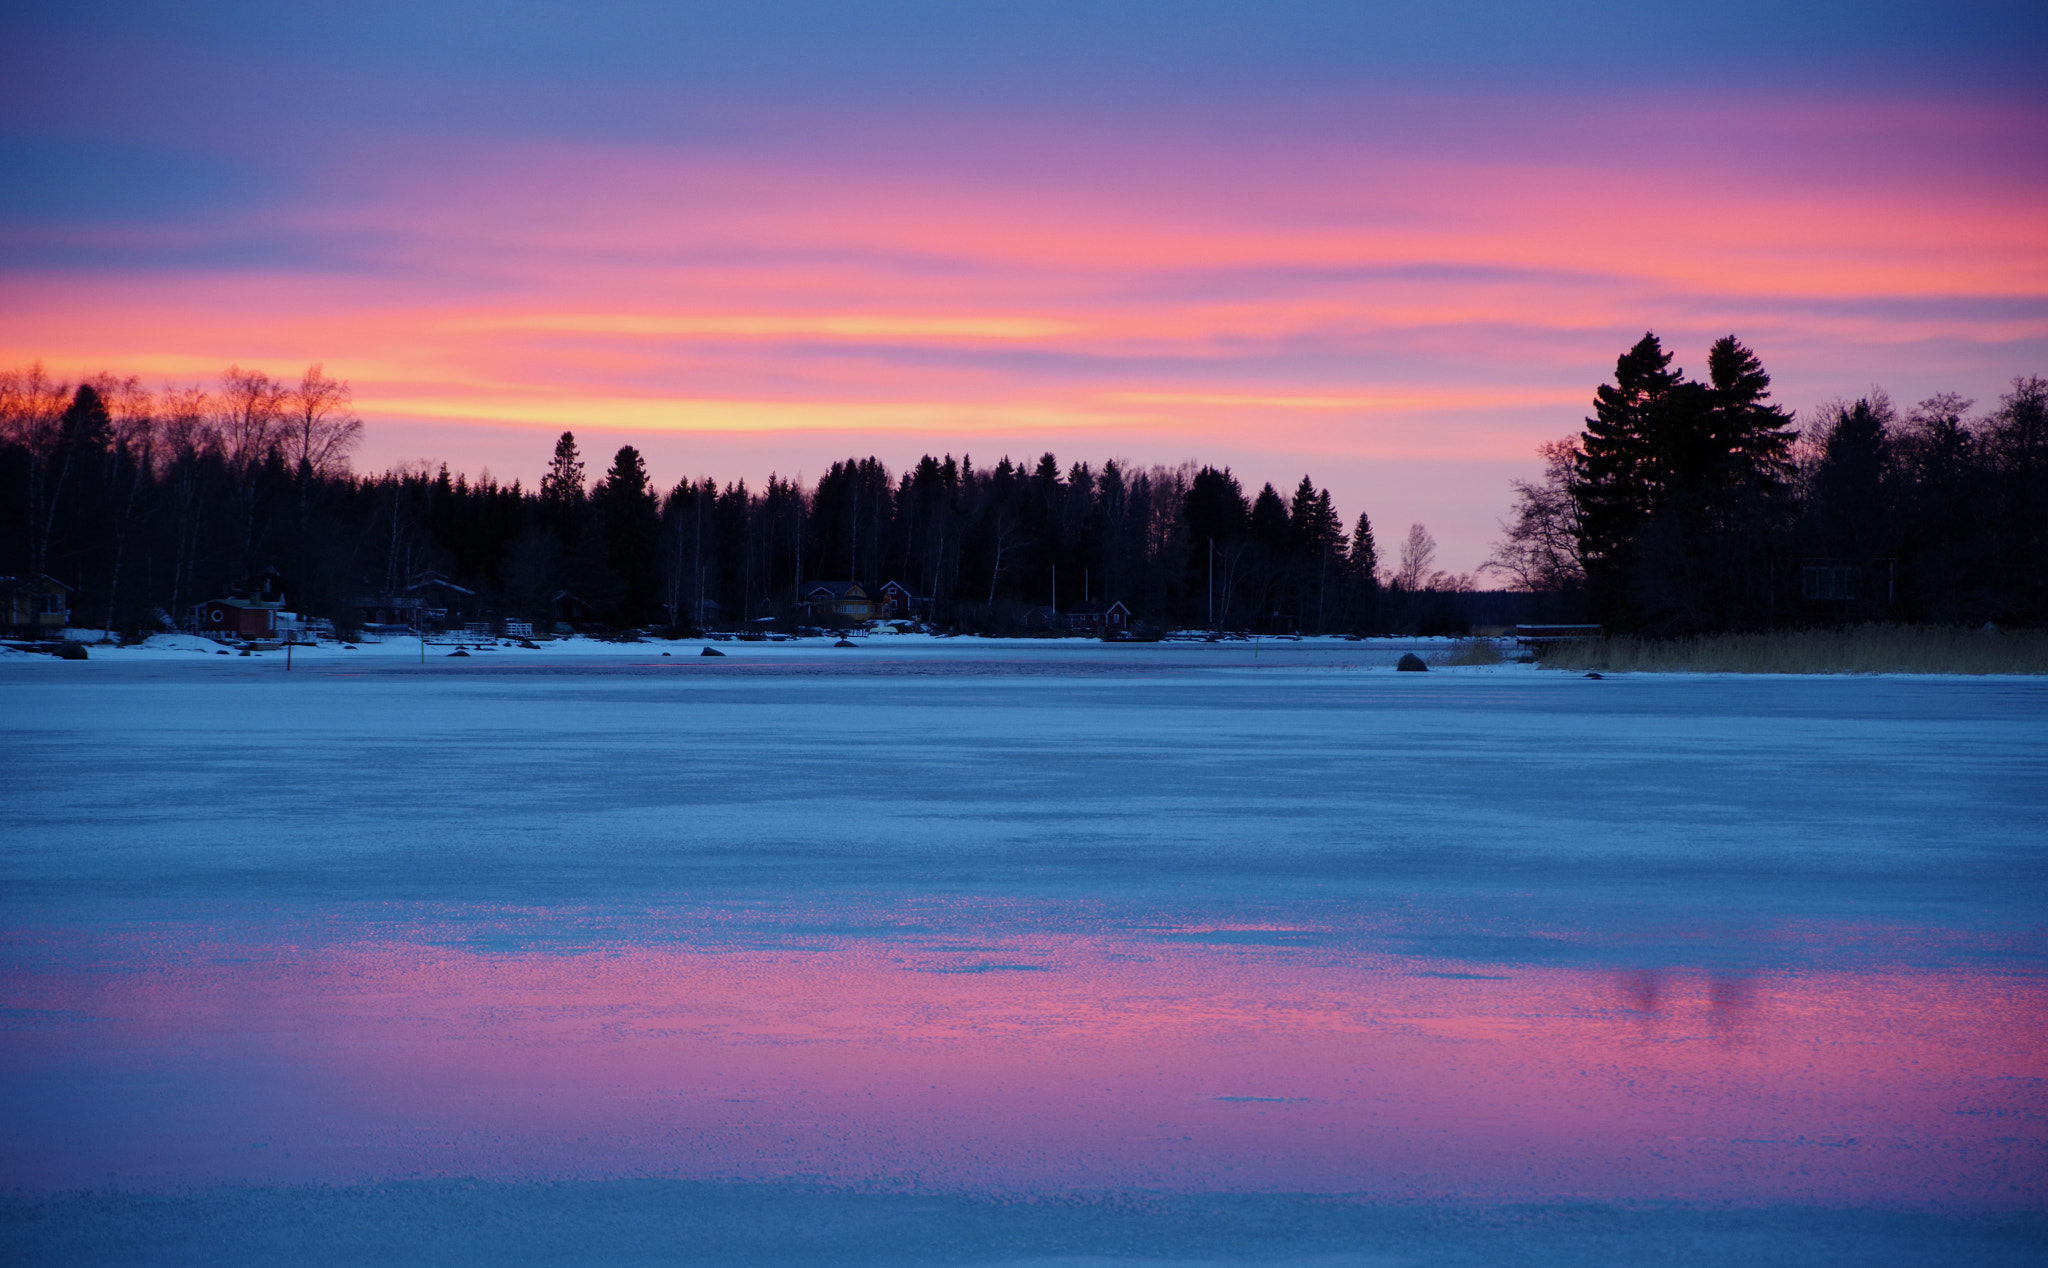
x: 1096, y: 290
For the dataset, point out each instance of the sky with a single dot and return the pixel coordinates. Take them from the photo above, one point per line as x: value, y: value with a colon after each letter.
x: 1393, y: 247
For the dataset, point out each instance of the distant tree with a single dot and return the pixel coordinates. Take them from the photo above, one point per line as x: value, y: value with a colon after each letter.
x: 319, y: 427
x: 1365, y: 553
x: 1418, y: 559
x: 1704, y: 557
x: 1679, y: 490
x: 1617, y: 479
x: 629, y: 521
x: 2015, y: 441
x: 251, y: 408
x: 1268, y: 523
x: 1749, y: 440
x: 31, y: 407
x: 84, y: 432
x: 1946, y: 535
x: 561, y: 487
x: 1538, y: 550
x: 1316, y: 543
x: 1848, y: 512
x: 1218, y: 521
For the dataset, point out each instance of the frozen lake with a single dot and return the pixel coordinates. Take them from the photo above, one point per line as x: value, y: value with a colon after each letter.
x: 984, y: 952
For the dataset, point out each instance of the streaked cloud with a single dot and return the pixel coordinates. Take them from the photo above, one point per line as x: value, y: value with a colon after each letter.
x: 871, y: 326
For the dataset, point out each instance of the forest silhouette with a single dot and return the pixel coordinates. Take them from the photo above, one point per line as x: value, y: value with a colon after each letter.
x: 1681, y: 507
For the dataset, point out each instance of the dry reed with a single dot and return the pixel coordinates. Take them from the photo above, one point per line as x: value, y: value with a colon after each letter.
x: 1477, y: 651
x: 1866, y: 649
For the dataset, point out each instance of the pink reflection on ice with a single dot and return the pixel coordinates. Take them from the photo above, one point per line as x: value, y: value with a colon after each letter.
x: 1035, y: 1061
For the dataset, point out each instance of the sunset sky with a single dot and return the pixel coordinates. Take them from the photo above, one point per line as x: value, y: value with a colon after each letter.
x: 1393, y: 247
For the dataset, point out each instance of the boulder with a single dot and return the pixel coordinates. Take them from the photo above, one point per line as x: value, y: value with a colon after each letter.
x: 1411, y: 663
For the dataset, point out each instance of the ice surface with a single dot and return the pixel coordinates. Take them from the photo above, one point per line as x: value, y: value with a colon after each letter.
x: 963, y: 951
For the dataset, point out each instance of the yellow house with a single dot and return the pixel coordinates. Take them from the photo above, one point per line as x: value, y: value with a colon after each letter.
x: 34, y: 604
x: 846, y: 599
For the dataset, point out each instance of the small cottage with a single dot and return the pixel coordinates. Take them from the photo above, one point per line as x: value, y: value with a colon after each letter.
x: 900, y: 604
x: 237, y: 618
x: 34, y: 605
x: 842, y: 600
x: 429, y: 601
x: 248, y: 612
x: 1099, y: 618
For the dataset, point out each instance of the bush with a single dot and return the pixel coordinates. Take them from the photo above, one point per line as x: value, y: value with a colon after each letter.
x: 72, y: 651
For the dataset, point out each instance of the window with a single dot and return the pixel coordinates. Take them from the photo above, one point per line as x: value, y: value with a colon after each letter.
x: 1827, y: 583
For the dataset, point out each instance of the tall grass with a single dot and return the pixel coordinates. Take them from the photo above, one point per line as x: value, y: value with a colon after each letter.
x: 1476, y: 651
x: 1866, y: 649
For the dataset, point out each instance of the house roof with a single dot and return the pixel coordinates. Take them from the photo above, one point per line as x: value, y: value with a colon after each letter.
x: 1098, y: 609
x: 31, y: 581
x: 268, y: 604
x: 837, y: 589
x: 435, y: 581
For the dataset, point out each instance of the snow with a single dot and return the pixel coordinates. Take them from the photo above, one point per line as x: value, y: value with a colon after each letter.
x: 980, y: 951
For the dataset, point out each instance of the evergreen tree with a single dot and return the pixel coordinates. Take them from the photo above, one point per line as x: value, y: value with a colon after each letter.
x: 84, y: 434
x: 1268, y: 524
x: 561, y: 488
x: 1752, y: 439
x: 1847, y: 509
x: 1217, y: 519
x: 1617, y: 481
x: 1677, y: 488
x: 630, y: 522
x: 1318, y: 549
x: 2016, y: 444
x: 1365, y: 552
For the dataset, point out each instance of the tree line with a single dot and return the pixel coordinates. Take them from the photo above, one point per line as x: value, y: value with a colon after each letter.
x: 1682, y: 506
x: 146, y: 503
x: 1689, y: 506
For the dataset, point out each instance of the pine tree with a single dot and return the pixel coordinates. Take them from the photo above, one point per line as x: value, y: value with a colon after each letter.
x: 1752, y: 438
x: 1365, y: 553
x: 1647, y: 441
x: 630, y: 522
x: 1616, y: 479
x: 562, y: 486
x: 1318, y: 549
x: 1269, y: 524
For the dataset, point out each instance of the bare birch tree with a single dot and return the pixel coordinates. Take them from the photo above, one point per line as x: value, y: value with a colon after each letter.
x: 251, y: 421
x: 1418, y: 556
x: 319, y: 427
x: 1539, y: 546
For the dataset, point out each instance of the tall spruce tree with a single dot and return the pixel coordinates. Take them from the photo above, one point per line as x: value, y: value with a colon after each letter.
x: 561, y: 487
x: 1752, y: 438
x: 1678, y: 488
x: 629, y: 519
x: 1365, y: 552
x: 1617, y: 478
